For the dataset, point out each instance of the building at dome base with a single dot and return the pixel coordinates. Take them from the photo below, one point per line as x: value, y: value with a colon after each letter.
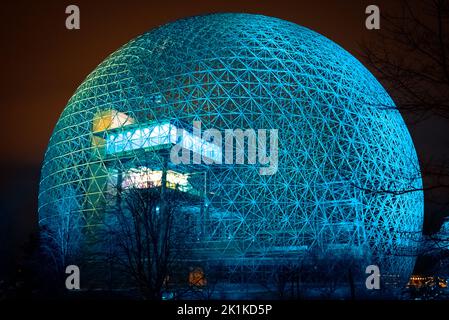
x: 333, y: 202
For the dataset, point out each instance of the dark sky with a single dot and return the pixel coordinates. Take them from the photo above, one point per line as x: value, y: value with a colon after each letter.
x: 43, y: 63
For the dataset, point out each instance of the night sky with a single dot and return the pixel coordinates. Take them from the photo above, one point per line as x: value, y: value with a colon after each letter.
x: 43, y: 63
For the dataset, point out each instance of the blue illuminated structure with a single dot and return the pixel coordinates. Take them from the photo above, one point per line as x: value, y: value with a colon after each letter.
x: 345, y: 154
x: 156, y: 135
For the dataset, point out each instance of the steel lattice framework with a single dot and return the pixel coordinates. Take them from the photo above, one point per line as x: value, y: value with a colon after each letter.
x: 345, y: 154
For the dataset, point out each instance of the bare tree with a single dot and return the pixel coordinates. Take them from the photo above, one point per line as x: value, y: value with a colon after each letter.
x: 62, y: 234
x: 410, y: 55
x: 148, y: 238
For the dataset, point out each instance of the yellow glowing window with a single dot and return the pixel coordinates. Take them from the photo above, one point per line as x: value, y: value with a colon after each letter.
x: 144, y: 177
x: 110, y: 119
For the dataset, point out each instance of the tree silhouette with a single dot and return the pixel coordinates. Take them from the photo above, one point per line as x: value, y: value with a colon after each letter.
x: 62, y: 236
x: 410, y: 55
x: 148, y: 238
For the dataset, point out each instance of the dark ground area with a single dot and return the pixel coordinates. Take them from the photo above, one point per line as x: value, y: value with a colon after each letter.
x: 44, y: 63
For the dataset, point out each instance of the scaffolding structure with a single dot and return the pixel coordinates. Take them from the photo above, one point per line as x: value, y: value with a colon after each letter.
x: 343, y: 155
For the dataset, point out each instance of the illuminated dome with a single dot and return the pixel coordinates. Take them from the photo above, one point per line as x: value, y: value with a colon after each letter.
x: 344, y: 152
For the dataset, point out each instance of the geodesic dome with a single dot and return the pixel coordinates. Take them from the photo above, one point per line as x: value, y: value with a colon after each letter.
x: 344, y: 152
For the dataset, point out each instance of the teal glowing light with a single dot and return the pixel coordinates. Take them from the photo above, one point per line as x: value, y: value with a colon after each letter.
x: 340, y: 148
x: 156, y: 135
